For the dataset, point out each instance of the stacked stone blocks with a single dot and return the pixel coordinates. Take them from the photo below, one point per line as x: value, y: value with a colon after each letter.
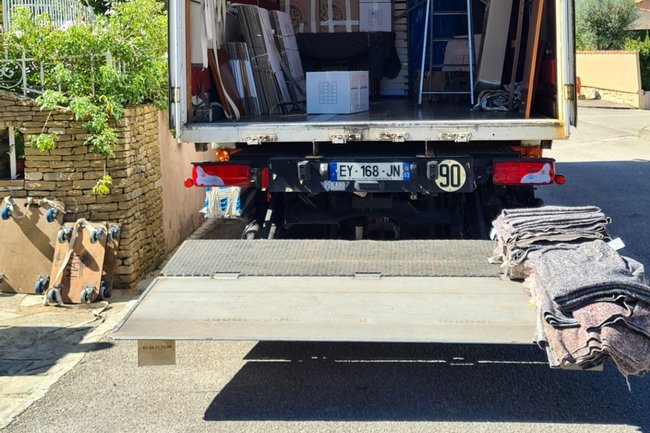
x: 70, y: 171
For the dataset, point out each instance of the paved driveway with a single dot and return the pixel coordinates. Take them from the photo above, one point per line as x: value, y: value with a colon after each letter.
x: 277, y: 387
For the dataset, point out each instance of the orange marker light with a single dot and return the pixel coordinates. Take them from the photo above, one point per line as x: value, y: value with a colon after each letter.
x: 223, y: 155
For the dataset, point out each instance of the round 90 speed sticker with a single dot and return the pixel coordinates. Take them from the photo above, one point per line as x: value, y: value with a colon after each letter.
x: 451, y: 175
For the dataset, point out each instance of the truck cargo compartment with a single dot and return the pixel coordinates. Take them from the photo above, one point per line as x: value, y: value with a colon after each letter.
x: 322, y: 290
x: 414, y: 95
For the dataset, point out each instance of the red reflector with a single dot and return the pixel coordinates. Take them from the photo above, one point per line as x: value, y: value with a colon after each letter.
x: 221, y: 175
x: 265, y: 178
x: 523, y: 173
x: 189, y: 183
x: 560, y: 179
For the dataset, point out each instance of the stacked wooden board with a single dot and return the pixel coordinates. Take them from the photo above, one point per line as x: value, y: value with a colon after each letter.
x: 274, y: 96
x: 240, y: 65
x: 288, y: 47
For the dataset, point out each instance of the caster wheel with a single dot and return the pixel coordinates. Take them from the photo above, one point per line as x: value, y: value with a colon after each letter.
x: 105, y: 291
x: 96, y: 235
x: 114, y: 233
x: 40, y: 285
x: 87, y: 295
x: 51, y: 215
x: 6, y: 213
x: 50, y: 296
x: 65, y: 233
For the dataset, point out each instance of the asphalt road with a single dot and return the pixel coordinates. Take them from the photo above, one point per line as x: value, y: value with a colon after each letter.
x: 279, y: 387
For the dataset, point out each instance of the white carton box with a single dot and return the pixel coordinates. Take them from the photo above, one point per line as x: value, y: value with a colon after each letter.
x: 375, y: 16
x: 337, y: 92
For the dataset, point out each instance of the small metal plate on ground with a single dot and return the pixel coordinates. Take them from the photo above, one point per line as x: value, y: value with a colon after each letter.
x: 156, y: 352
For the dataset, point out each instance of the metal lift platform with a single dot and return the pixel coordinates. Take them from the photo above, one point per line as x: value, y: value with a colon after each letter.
x: 327, y: 290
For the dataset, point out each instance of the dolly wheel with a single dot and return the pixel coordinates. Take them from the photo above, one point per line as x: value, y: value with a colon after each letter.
x: 96, y: 235
x: 105, y: 291
x: 65, y: 233
x: 113, y: 232
x: 87, y: 295
x: 41, y: 284
x: 50, y: 296
x: 51, y: 214
x: 6, y: 213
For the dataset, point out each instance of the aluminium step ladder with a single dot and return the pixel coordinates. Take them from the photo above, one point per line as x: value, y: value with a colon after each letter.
x: 430, y: 38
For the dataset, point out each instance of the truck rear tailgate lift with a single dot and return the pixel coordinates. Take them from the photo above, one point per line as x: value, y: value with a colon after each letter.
x: 323, y: 290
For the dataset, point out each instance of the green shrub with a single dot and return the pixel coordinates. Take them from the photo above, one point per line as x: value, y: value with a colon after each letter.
x: 97, y: 68
x: 643, y: 47
x: 604, y: 24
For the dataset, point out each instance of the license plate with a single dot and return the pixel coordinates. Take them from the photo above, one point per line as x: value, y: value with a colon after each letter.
x: 370, y: 171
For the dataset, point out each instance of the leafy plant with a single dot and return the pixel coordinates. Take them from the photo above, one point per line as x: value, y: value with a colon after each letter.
x: 96, y: 69
x: 604, y: 24
x: 43, y: 142
x: 643, y: 47
x: 19, y: 144
x: 102, y: 186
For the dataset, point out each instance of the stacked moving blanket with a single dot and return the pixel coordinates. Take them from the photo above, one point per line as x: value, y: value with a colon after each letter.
x: 520, y: 231
x: 593, y: 303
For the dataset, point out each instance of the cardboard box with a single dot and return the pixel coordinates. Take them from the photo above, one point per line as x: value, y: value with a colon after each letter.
x: 337, y: 92
x: 375, y: 16
x: 457, y: 53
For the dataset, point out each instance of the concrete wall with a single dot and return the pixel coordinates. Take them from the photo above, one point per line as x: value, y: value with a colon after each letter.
x: 141, y: 184
x: 180, y: 204
x: 611, y: 75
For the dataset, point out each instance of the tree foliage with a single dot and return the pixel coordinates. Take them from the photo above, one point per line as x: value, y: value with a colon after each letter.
x: 643, y: 47
x: 96, y: 68
x: 604, y: 24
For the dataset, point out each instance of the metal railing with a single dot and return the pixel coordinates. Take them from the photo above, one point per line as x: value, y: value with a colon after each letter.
x: 60, y: 11
x: 16, y: 74
x: 25, y: 75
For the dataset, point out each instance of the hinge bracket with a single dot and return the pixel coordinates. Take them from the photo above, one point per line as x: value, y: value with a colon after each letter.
x: 570, y: 92
x: 458, y: 137
x: 176, y: 95
x: 259, y: 139
x: 344, y: 138
x: 395, y: 137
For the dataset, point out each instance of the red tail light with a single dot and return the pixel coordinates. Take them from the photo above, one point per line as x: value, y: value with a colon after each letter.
x: 221, y: 175
x: 523, y: 173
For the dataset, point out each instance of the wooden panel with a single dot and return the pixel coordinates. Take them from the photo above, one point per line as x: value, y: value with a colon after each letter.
x: 531, y: 64
x: 83, y: 268
x: 27, y: 247
x: 110, y: 257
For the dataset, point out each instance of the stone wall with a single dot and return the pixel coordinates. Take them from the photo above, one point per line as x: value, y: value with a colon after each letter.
x: 617, y: 97
x: 69, y: 172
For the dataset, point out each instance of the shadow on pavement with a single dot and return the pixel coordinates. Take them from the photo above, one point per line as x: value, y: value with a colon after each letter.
x: 481, y: 383
x: 620, y: 188
x: 33, y: 350
x: 422, y: 382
